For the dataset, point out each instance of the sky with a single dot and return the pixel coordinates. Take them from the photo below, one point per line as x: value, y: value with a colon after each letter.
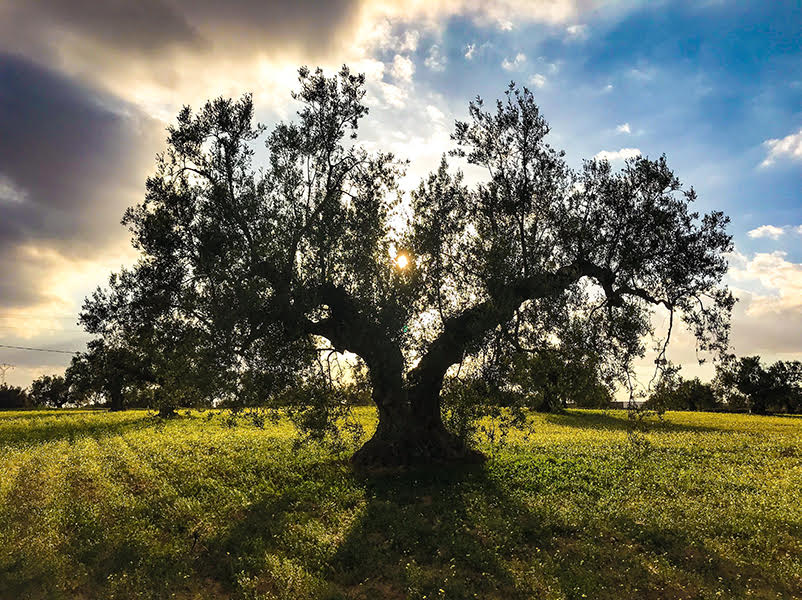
x: 87, y: 89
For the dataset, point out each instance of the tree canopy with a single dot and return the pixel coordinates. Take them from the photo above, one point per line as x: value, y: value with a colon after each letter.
x: 262, y: 267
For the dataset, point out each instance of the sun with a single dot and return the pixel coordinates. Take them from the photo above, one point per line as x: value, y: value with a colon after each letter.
x: 401, y: 261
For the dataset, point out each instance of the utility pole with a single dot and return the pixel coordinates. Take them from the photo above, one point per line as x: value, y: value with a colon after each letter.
x: 3, y: 368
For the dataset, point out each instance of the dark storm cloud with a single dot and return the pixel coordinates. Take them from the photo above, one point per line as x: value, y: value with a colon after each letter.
x: 148, y: 28
x: 67, y: 149
x: 143, y: 25
x: 71, y: 160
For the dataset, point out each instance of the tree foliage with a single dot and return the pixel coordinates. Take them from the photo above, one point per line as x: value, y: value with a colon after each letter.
x: 262, y: 268
x: 51, y: 391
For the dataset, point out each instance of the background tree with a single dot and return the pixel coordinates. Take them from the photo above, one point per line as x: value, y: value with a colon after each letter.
x: 744, y: 381
x: 49, y: 390
x: 677, y: 393
x: 12, y: 397
x: 552, y: 380
x: 261, y: 265
x: 105, y: 372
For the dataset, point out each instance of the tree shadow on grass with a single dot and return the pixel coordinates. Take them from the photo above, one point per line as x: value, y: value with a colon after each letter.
x: 604, y: 421
x: 437, y: 533
x: 466, y: 533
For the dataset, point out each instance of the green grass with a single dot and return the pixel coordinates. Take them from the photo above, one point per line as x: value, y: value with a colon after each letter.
x: 100, y: 505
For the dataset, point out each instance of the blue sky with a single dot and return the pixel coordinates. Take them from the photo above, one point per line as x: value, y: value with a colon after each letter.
x: 716, y: 86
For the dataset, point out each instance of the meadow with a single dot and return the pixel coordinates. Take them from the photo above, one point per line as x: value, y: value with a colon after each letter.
x: 125, y: 505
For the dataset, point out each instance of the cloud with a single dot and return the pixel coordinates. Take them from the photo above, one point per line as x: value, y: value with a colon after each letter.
x: 553, y: 67
x: 182, y: 50
x: 394, y: 95
x: 515, y: 64
x: 72, y: 160
x: 767, y: 231
x: 10, y: 193
x: 776, y: 274
x: 435, y: 114
x: 473, y: 51
x: 151, y: 27
x: 410, y: 41
x: 436, y: 61
x: 537, y: 80
x: 790, y: 146
x: 503, y: 14
x: 642, y: 73
x: 403, y: 68
x: 614, y: 155
x: 578, y: 32
x: 623, y: 128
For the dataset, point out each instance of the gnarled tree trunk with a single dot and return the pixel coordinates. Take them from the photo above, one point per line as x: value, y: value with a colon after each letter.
x: 410, y: 429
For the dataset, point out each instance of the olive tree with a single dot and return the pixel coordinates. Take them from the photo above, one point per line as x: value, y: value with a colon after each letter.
x: 262, y: 264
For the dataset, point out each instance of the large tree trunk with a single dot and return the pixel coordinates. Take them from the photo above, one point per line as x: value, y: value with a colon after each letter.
x: 116, y: 400
x: 410, y: 429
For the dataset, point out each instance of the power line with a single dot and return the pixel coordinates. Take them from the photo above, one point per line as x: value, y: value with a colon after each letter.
x: 39, y: 349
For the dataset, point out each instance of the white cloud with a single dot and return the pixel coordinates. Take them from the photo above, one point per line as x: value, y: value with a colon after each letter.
x: 642, y: 74
x: 435, y: 114
x: 614, y: 155
x: 435, y: 61
x: 577, y: 31
x: 782, y: 278
x: 767, y: 231
x: 550, y: 67
x: 790, y: 146
x: 403, y: 68
x: 474, y: 51
x: 505, y: 15
x: 608, y: 88
x: 623, y: 128
x: 515, y: 64
x: 410, y: 41
x: 537, y: 80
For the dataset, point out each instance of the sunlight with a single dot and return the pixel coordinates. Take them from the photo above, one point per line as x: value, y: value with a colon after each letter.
x: 402, y: 260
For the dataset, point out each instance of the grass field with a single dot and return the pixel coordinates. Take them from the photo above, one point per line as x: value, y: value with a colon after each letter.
x: 99, y: 505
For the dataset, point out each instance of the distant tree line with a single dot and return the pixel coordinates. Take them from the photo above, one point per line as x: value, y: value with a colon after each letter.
x: 547, y: 381
x: 740, y: 384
